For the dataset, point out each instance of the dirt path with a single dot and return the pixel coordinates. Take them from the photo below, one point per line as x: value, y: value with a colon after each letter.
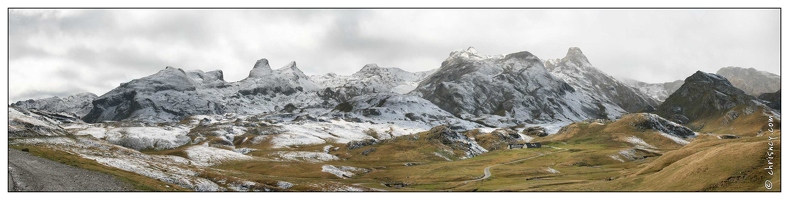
x: 487, y: 172
x: 30, y: 173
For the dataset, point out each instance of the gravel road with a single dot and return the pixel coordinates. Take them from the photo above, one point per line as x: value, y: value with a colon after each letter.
x: 30, y: 173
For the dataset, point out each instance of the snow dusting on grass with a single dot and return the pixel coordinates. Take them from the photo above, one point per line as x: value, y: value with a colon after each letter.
x: 343, y: 171
x: 616, y: 157
x: 158, y: 138
x: 306, y: 156
x: 202, y: 155
x: 676, y: 139
x: 638, y: 142
x: 552, y: 171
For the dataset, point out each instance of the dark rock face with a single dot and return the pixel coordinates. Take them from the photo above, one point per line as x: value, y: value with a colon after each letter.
x: 773, y: 99
x: 750, y: 80
x: 703, y: 95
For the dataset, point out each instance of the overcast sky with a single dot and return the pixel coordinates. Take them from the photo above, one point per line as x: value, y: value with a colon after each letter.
x: 62, y: 52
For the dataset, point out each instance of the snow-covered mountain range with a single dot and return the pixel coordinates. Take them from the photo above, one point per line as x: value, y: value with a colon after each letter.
x: 469, y: 90
x: 78, y: 104
x: 472, y: 105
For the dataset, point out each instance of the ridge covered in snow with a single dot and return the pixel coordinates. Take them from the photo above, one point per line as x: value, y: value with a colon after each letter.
x: 517, y: 88
x: 78, y: 104
x: 576, y: 70
x: 370, y: 79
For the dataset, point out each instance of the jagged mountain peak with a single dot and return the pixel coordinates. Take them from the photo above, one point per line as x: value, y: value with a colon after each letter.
x: 700, y: 76
x: 576, y: 70
x: 523, y: 55
x: 471, y: 50
x: 170, y: 70
x: 370, y: 66
x: 468, y: 53
x: 291, y: 68
x: 260, y: 69
x: 262, y: 63
x: 575, y: 58
x: 218, y: 74
x: 291, y: 65
x: 575, y: 54
x: 703, y: 95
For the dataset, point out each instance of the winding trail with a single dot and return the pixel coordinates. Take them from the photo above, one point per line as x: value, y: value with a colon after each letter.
x: 488, y: 174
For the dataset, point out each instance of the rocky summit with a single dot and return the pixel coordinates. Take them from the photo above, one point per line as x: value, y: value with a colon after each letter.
x: 576, y: 70
x: 703, y: 95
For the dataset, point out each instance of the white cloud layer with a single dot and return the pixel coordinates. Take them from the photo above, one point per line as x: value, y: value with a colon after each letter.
x: 62, y: 52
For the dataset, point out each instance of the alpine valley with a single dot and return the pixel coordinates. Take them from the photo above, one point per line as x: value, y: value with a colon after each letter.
x: 511, y: 122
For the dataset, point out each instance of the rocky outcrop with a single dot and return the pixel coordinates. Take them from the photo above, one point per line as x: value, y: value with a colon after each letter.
x: 455, y: 140
x: 655, y: 122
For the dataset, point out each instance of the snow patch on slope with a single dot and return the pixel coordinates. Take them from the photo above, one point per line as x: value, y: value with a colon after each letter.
x: 203, y: 155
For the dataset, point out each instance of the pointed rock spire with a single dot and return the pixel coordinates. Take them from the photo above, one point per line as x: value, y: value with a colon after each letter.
x: 576, y: 56
x: 260, y: 69
x: 471, y: 50
x: 369, y: 67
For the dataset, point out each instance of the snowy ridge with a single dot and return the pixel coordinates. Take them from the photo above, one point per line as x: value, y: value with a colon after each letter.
x: 370, y: 79
x: 23, y: 123
x: 172, y: 94
x: 402, y: 110
x: 657, y: 91
x: 139, y: 138
x: 78, y: 104
x: 655, y: 122
x: 516, y: 87
x: 169, y: 169
x: 203, y: 155
x: 616, y: 97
